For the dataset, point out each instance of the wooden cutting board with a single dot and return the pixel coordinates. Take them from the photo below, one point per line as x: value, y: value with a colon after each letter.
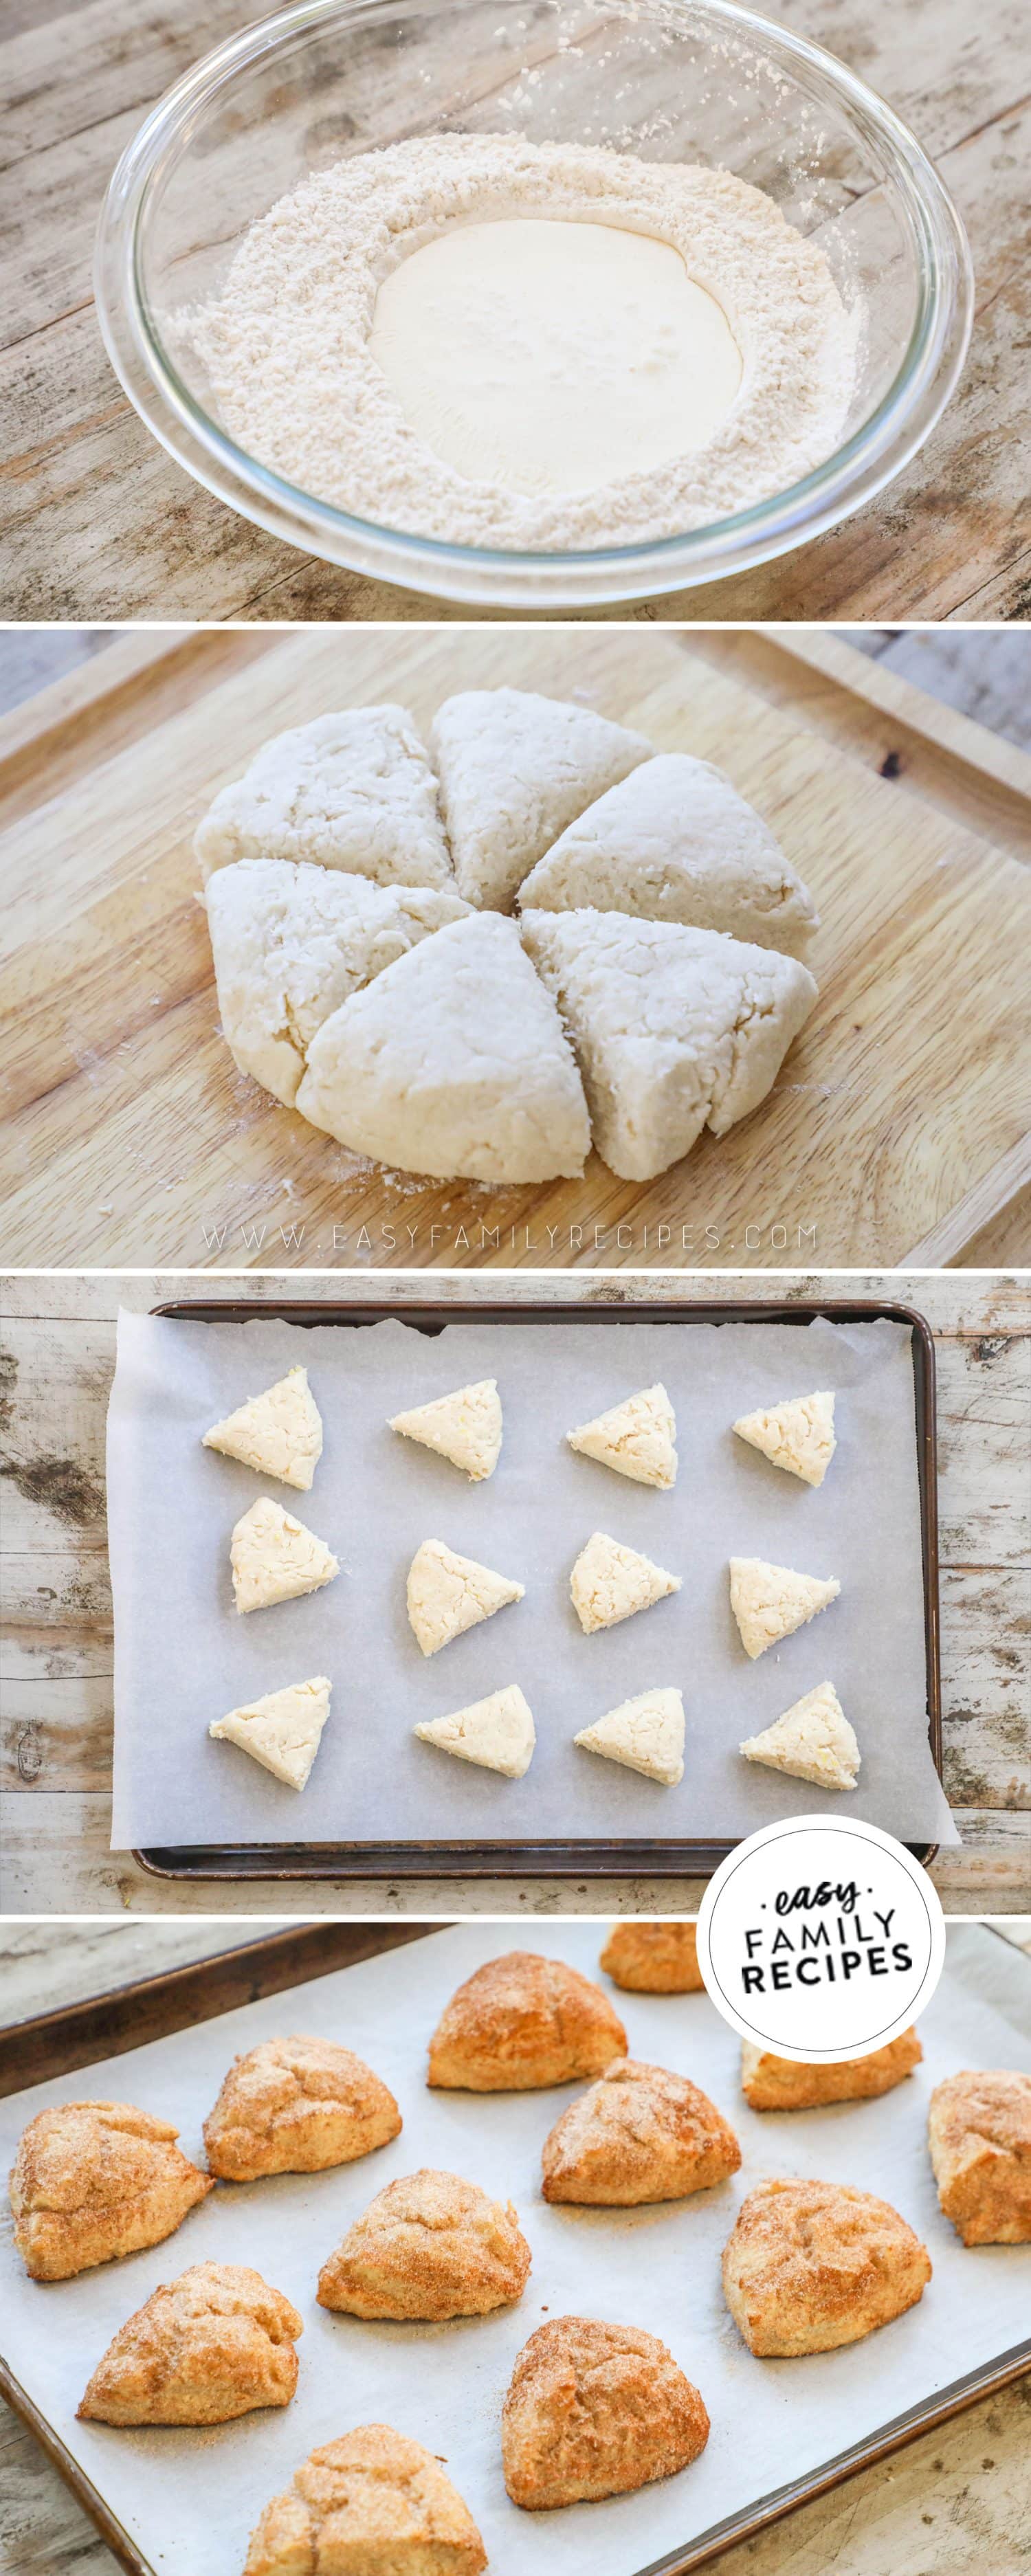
x: 899, y: 1127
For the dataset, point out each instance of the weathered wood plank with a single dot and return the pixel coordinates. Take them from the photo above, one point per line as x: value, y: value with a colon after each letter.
x: 105, y: 526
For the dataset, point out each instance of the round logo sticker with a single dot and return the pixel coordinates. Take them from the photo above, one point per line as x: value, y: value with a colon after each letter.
x: 820, y: 1939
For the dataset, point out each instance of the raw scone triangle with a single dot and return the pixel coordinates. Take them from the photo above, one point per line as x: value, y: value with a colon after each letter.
x: 797, y: 1435
x: 291, y: 942
x: 813, y: 1741
x: 514, y: 769
x: 637, y: 1438
x: 675, y: 842
x: 497, y: 1732
x: 281, y: 1731
x: 770, y: 1601
x: 674, y: 1030
x: 610, y: 1582
x: 353, y: 791
x: 454, y: 1062
x: 372, y: 2500
x: 448, y: 1594
x: 464, y: 1426
x: 645, y: 1734
x: 275, y: 1558
x: 278, y: 1433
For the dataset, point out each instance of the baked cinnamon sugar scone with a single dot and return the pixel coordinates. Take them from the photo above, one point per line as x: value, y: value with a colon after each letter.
x: 429, y: 2246
x: 214, y: 2344
x: 643, y: 2133
x: 596, y: 2410
x: 979, y: 2128
x: 812, y: 2265
x: 92, y: 2181
x: 653, y: 1958
x: 372, y: 2504
x: 296, y: 2106
x: 780, y: 2084
x: 521, y: 2022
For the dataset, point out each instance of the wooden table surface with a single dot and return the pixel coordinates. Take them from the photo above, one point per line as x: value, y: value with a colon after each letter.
x: 955, y: 2500
x: 103, y: 525
x: 58, y: 1348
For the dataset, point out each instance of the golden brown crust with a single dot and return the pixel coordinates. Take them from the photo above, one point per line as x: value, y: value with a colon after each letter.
x: 429, y: 2245
x: 596, y: 2410
x: 640, y: 2134
x: 779, y: 2084
x: 93, y: 2181
x: 521, y: 2022
x: 812, y: 2265
x: 372, y: 2504
x: 979, y: 2129
x: 297, y: 2106
x: 654, y: 1958
x: 212, y: 2345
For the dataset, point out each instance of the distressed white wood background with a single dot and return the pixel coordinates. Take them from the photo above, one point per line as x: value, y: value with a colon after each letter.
x: 955, y: 2501
x: 57, y: 1349
x: 103, y: 525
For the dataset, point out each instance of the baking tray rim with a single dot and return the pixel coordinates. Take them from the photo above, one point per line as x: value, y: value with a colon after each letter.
x: 987, y: 2380
x: 652, y: 1856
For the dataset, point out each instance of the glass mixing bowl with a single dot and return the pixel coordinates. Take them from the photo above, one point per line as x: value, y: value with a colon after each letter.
x: 680, y: 80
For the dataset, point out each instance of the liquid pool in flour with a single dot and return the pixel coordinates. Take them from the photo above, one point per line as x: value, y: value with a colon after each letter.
x: 545, y: 347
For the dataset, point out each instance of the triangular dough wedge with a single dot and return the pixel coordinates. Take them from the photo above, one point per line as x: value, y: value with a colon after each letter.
x: 770, y: 1601
x: 797, y: 1435
x: 675, y: 842
x: 610, y: 1582
x: 454, y: 1062
x: 812, y: 1741
x: 464, y: 1426
x: 353, y: 791
x: 596, y: 2410
x: 290, y: 943
x: 674, y: 1029
x: 514, y: 769
x: 215, y: 2344
x: 278, y: 1433
x: 373, y: 2500
x: 448, y: 1594
x: 640, y: 2134
x: 645, y: 1734
x: 275, y: 1558
x: 637, y: 1438
x: 281, y: 1731
x: 497, y: 1732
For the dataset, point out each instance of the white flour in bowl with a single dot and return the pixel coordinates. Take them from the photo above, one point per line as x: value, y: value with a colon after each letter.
x: 287, y: 346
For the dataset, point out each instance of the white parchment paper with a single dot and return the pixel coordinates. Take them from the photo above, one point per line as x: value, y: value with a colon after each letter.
x: 189, y: 2499
x: 183, y: 1655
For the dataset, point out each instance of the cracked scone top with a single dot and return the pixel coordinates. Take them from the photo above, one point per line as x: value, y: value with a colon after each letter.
x: 94, y: 2181
x: 811, y: 2265
x: 430, y: 2246
x: 215, y: 2344
x: 373, y: 2499
x: 521, y: 2022
x: 595, y: 2410
x: 653, y: 1958
x: 979, y: 2132
x: 297, y: 2105
x: 642, y: 2133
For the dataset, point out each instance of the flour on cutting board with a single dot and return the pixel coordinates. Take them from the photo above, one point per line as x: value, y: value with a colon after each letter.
x: 325, y: 359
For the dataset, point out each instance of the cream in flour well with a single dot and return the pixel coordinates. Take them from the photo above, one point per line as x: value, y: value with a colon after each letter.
x: 320, y: 365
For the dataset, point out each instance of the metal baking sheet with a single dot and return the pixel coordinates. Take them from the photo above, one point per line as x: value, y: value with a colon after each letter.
x: 376, y: 1497
x: 781, y: 2431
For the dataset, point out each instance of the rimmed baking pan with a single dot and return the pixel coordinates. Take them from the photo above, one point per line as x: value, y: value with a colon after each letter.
x: 573, y: 1856
x: 184, y: 1999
